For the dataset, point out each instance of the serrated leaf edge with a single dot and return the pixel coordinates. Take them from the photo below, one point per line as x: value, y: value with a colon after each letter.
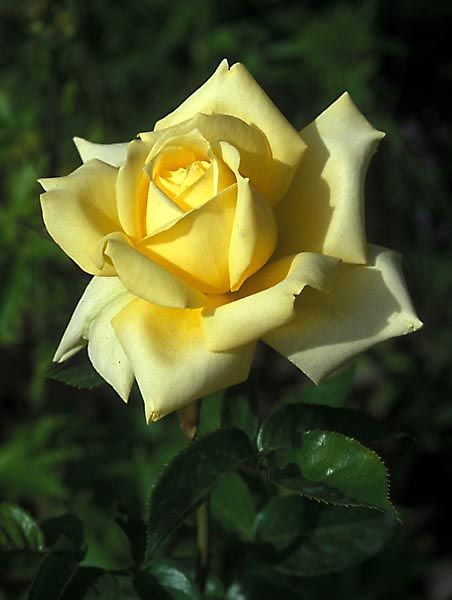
x: 357, y: 504
x: 149, y: 551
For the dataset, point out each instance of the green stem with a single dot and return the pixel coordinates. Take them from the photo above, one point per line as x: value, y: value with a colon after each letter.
x: 189, y: 421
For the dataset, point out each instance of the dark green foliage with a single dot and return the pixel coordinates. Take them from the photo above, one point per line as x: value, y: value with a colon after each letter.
x: 53, y: 576
x: 80, y: 466
x: 332, y: 392
x: 190, y: 477
x: 233, y: 507
x: 172, y: 581
x: 64, y: 533
x: 135, y: 530
x: 333, y: 468
x: 261, y: 584
x: 286, y: 423
x: 311, y: 539
x: 32, y: 459
x: 77, y: 372
x: 18, y: 531
x: 240, y: 411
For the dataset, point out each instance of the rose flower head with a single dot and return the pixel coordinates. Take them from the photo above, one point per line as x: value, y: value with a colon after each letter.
x: 221, y: 227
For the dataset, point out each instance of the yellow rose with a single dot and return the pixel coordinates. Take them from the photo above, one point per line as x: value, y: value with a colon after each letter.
x: 223, y: 226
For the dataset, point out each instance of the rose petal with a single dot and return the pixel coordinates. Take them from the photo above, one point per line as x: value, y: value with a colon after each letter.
x: 160, y: 210
x: 147, y: 279
x: 255, y: 152
x: 253, y: 237
x: 184, y: 136
x: 112, y: 154
x: 265, y: 301
x: 200, y: 191
x: 366, y: 305
x: 234, y: 92
x: 183, y: 146
x: 132, y: 189
x: 168, y: 355
x: 103, y: 298
x: 323, y: 210
x: 104, y: 350
x: 99, y: 292
x: 78, y: 213
x: 196, y: 246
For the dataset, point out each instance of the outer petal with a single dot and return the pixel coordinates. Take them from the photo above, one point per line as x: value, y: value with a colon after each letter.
x: 98, y: 293
x: 80, y: 209
x: 103, y: 298
x: 104, y: 350
x: 265, y: 301
x: 147, y: 279
x: 323, y: 210
x: 112, y: 154
x: 234, y: 92
x: 366, y: 305
x: 168, y: 355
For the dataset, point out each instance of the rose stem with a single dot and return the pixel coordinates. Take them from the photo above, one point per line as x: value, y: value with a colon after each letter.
x: 189, y: 422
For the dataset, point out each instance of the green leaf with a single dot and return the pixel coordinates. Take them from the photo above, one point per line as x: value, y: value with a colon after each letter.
x: 332, y: 392
x: 262, y: 584
x: 214, y: 588
x: 64, y: 533
x: 18, y: 530
x: 285, y: 424
x: 163, y: 580
x: 147, y: 586
x: 106, y: 586
x: 84, y: 582
x: 233, y: 507
x: 335, y: 469
x: 240, y: 411
x: 92, y: 583
x: 54, y: 576
x: 312, y: 539
x: 190, y: 477
x: 135, y: 530
x: 80, y: 584
x: 284, y: 519
x: 76, y: 372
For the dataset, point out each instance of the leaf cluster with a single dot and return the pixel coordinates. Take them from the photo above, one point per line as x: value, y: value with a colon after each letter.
x: 300, y: 494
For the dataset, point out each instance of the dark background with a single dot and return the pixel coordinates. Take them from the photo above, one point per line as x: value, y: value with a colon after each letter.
x: 106, y: 70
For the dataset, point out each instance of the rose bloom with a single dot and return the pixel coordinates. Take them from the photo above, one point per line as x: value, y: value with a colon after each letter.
x: 220, y: 227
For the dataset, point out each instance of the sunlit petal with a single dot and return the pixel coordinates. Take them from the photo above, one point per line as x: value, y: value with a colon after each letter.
x: 323, y: 210
x: 265, y: 301
x: 233, y: 91
x: 169, y: 357
x: 78, y: 214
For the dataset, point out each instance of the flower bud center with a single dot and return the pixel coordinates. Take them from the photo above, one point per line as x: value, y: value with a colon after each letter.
x: 175, y: 181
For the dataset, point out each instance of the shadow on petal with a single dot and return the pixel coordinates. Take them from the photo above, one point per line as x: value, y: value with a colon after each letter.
x: 305, y: 212
x: 365, y: 305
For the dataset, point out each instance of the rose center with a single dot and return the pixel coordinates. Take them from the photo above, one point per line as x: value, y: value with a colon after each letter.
x: 175, y: 181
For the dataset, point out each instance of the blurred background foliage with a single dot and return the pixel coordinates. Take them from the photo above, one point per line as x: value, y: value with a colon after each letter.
x: 107, y: 70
